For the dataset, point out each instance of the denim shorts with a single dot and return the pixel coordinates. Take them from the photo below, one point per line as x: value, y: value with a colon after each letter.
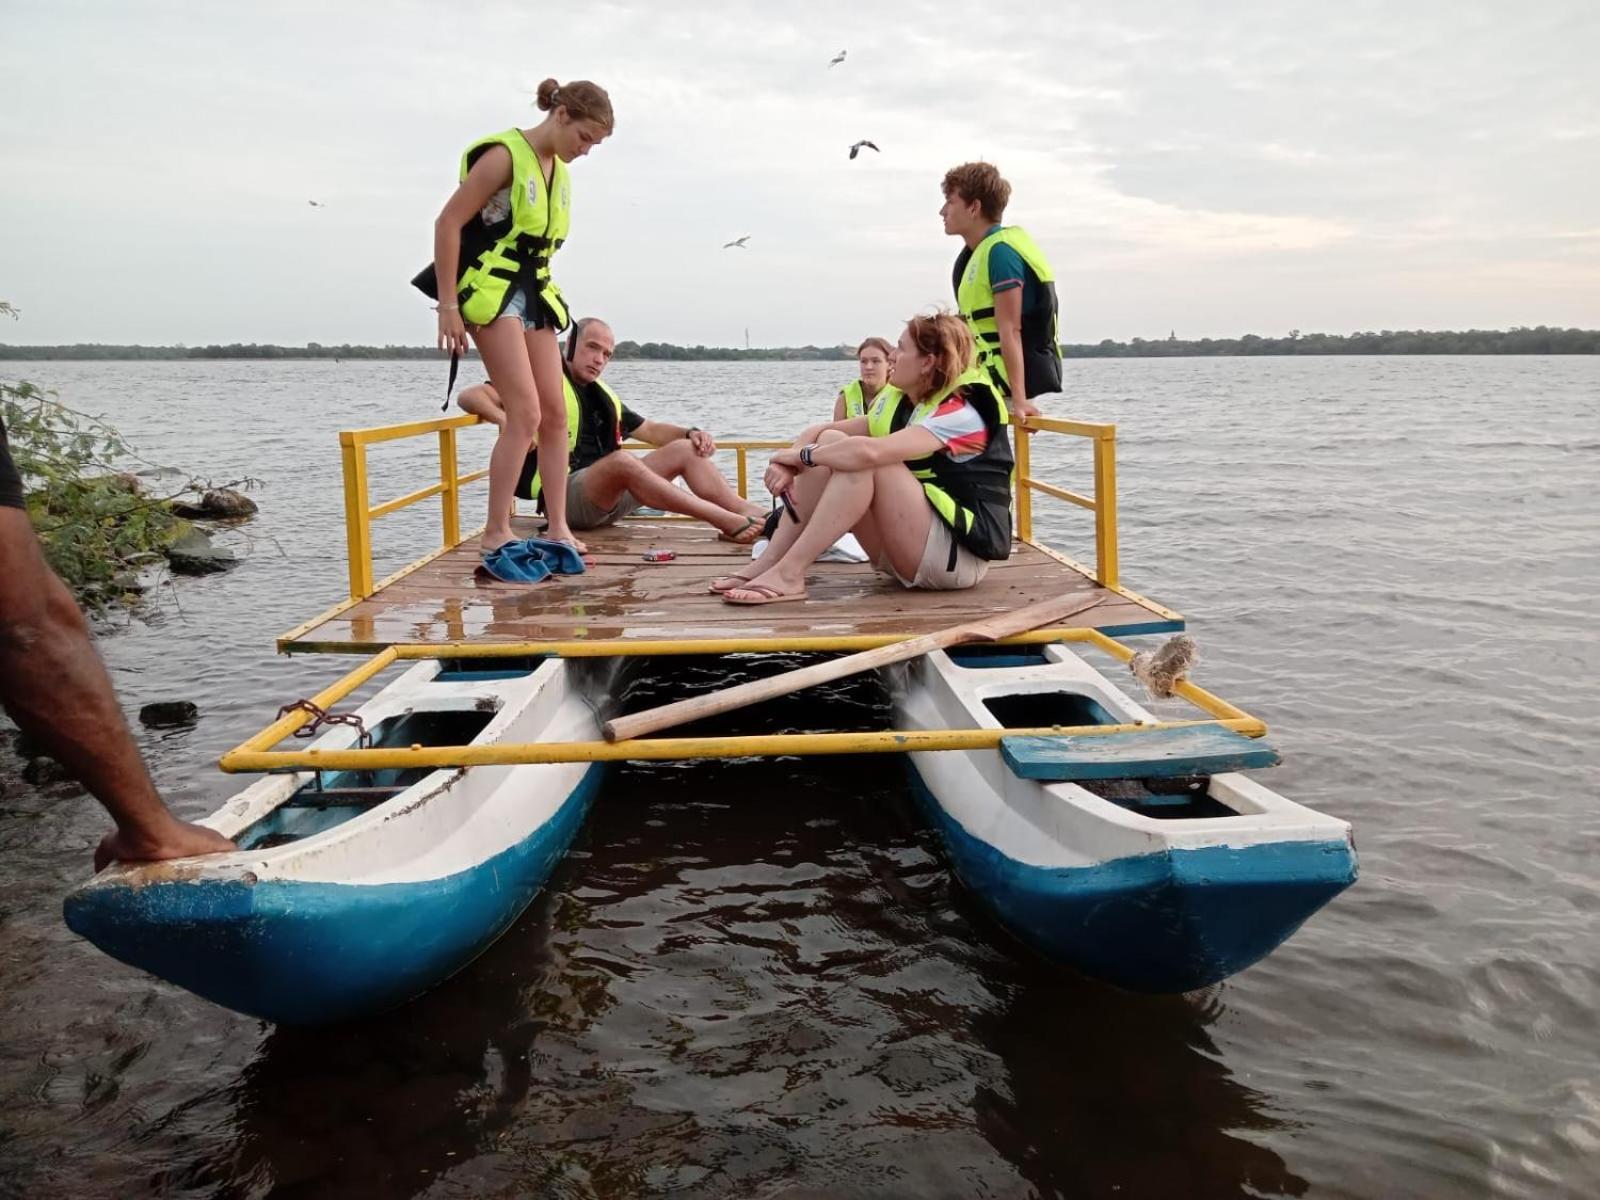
x: 518, y: 307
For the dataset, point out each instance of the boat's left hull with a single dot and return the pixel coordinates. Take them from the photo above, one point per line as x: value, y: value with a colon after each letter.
x: 336, y: 908
x: 301, y: 953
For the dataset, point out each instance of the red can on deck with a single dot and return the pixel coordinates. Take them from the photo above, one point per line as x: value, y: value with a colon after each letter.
x: 660, y: 555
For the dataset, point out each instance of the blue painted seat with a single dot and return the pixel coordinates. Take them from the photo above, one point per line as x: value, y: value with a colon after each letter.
x: 1144, y: 754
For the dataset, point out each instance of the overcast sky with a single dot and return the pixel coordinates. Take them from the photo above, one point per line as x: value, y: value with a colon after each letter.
x: 1213, y: 169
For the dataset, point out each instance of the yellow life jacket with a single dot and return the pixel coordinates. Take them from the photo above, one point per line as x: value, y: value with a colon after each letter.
x: 1041, y: 341
x: 530, y: 485
x: 856, y: 403
x: 515, y: 251
x: 888, y: 412
x: 974, y: 497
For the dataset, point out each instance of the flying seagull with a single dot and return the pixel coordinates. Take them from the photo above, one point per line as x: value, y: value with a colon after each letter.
x: 836, y: 59
x: 856, y: 149
x: 316, y: 204
x: 737, y: 242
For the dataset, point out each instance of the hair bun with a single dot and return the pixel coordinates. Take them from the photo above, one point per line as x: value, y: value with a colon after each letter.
x: 545, y: 98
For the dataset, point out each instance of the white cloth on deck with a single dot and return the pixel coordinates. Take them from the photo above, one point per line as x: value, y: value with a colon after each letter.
x: 846, y: 550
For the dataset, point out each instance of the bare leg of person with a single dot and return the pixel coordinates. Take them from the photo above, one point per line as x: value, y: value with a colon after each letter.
x: 680, y: 461
x: 54, y: 686
x: 606, y: 480
x: 545, y: 358
x: 481, y: 401
x: 807, y: 492
x: 900, y: 511
x: 505, y: 354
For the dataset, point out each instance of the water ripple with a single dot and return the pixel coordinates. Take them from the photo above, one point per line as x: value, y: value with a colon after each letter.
x: 760, y: 980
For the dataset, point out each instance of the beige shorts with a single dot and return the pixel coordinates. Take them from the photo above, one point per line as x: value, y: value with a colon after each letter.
x: 933, y: 572
x: 584, y: 513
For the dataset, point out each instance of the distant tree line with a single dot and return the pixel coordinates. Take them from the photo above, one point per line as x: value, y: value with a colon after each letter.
x: 666, y: 352
x: 1541, y: 339
x: 659, y: 351
x: 91, y: 351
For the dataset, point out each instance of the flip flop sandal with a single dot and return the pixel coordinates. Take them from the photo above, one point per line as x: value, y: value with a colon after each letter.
x: 743, y: 581
x: 769, y: 595
x: 742, y: 535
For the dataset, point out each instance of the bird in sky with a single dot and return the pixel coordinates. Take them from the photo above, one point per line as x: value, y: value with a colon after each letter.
x: 316, y: 204
x: 738, y: 242
x: 856, y: 149
x: 836, y: 59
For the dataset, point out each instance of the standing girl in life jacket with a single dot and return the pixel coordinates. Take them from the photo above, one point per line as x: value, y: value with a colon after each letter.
x: 495, y: 238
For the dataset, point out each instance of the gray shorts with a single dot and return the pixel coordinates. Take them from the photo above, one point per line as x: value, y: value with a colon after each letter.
x: 584, y: 513
x: 933, y: 572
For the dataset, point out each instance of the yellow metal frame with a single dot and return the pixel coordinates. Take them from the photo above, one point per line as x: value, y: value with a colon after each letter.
x: 360, y: 512
x: 1103, y: 504
x: 256, y: 754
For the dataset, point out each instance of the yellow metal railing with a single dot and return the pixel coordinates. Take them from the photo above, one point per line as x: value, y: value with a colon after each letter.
x: 256, y: 754
x: 1104, y: 502
x: 360, y: 512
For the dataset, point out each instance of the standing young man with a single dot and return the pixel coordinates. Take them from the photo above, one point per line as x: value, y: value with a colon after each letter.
x: 1004, y: 288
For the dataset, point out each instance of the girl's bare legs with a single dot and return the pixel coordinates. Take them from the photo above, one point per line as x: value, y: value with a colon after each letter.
x: 505, y: 354
x: 544, y: 357
x: 807, y: 491
x: 900, y: 514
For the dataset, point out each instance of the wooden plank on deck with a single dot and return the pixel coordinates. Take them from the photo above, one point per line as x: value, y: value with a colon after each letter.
x: 623, y: 598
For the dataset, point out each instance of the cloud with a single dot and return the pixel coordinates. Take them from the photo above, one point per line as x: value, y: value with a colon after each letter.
x: 1218, y: 168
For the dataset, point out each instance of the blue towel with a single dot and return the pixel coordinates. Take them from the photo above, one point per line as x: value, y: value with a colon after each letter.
x: 532, y: 560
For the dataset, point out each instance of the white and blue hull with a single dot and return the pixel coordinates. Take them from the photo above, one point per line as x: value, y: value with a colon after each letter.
x: 1147, y: 902
x: 367, y: 913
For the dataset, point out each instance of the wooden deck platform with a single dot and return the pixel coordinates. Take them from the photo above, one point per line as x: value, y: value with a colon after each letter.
x: 627, y: 602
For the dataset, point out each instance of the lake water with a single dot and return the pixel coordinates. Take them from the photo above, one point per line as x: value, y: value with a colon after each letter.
x: 758, y: 979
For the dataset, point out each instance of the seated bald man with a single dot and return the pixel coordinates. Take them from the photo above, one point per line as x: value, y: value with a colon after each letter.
x: 606, y: 483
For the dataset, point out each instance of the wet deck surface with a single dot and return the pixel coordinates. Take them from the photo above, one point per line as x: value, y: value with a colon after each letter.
x: 622, y: 598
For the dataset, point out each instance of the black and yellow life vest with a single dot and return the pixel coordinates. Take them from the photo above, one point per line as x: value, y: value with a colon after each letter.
x: 1041, y: 342
x: 974, y: 497
x: 856, y: 403
x: 496, y: 259
x: 529, y: 484
x: 888, y: 413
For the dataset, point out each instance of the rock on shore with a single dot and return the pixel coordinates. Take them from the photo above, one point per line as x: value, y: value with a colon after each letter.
x: 218, y: 504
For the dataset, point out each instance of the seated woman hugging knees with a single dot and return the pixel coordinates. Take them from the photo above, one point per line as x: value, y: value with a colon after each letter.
x: 856, y: 397
x: 926, y: 490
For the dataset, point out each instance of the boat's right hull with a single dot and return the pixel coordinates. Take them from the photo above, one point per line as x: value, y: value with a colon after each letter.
x: 1164, y: 922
